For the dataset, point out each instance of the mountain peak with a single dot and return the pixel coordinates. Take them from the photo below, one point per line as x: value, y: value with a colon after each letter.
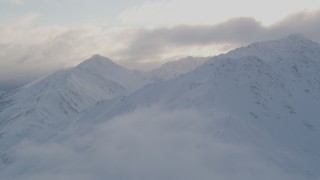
x: 97, y: 60
x: 98, y: 56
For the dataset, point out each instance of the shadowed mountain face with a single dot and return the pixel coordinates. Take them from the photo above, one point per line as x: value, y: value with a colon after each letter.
x: 251, y: 113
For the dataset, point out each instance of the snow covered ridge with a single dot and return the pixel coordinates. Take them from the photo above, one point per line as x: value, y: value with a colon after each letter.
x: 70, y: 91
x: 252, y: 113
x: 53, y: 100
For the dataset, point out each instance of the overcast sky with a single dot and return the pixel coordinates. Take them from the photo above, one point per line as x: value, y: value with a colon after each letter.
x: 41, y: 36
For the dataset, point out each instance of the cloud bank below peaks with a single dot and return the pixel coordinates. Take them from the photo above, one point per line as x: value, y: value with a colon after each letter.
x: 148, y: 143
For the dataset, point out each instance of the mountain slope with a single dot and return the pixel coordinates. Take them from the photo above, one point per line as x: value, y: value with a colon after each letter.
x: 269, y: 93
x: 50, y: 101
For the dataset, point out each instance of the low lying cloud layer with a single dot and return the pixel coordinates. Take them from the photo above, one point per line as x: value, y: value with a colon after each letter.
x: 30, y: 50
x: 149, y: 143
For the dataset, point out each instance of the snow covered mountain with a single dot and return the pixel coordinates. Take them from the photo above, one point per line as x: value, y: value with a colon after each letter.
x: 265, y: 96
x: 50, y: 101
x: 53, y: 100
x: 70, y: 91
x: 252, y: 113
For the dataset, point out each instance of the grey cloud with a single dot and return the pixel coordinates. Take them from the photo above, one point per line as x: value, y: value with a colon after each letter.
x: 150, y: 42
x: 307, y: 23
x: 149, y: 143
x: 238, y: 31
